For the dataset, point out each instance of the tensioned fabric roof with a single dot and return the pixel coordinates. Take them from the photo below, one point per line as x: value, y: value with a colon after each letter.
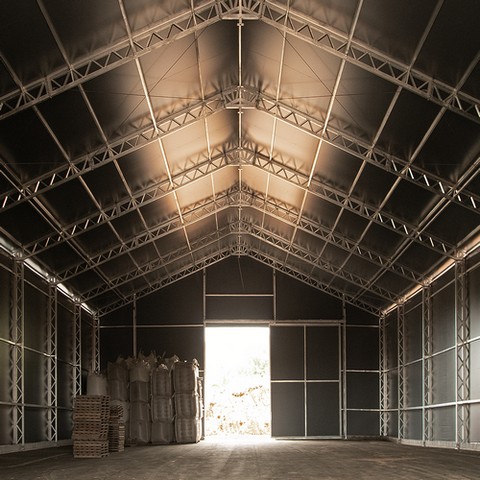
x: 337, y: 141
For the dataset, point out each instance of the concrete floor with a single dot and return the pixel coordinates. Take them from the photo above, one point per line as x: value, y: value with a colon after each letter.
x: 244, y: 459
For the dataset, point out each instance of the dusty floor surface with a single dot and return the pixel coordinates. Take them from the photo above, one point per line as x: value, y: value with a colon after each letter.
x: 244, y: 459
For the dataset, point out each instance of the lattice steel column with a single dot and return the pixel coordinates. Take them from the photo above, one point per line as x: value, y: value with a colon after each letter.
x: 77, y: 350
x: 51, y: 373
x: 96, y: 344
x: 383, y: 393
x: 17, y: 360
x: 401, y: 371
x: 462, y: 320
x: 427, y: 364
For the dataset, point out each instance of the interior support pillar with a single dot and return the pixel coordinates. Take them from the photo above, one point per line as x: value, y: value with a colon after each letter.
x: 52, y: 363
x: 401, y: 371
x: 427, y: 413
x: 96, y: 344
x: 462, y: 358
x: 77, y: 349
x: 17, y: 359
x: 383, y: 394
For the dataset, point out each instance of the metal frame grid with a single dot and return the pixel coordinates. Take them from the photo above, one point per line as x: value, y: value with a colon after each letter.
x: 383, y: 382
x: 77, y: 350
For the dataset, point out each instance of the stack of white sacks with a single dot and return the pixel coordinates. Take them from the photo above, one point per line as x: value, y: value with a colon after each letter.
x: 162, y: 405
x: 188, y: 402
x: 139, y: 388
x: 161, y: 399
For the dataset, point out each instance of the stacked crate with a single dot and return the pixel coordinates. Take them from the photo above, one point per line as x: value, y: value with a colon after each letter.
x: 188, y: 402
x: 139, y: 389
x: 162, y: 406
x: 116, y: 429
x: 90, y: 426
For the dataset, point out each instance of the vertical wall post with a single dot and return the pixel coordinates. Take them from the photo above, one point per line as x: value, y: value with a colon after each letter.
x: 383, y: 393
x: 52, y: 362
x: 401, y: 371
x: 427, y: 342
x: 17, y: 360
x: 344, y: 371
x: 134, y: 326
x: 77, y: 349
x: 96, y: 344
x: 462, y: 347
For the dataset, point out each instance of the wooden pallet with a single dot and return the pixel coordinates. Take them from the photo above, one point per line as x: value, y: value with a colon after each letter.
x: 90, y: 449
x: 90, y: 430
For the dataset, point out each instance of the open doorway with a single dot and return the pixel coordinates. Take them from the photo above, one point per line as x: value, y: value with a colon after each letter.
x: 237, y: 381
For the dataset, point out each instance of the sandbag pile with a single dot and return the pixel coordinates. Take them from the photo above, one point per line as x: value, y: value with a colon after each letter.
x: 162, y: 406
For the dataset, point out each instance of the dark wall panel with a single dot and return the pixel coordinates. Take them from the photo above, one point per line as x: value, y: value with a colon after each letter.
x: 64, y: 385
x: 322, y: 353
x: 392, y: 424
x: 296, y: 300
x: 475, y: 369
x: 186, y: 342
x: 391, y: 341
x: 443, y: 307
x: 475, y: 423
x: 115, y: 342
x: 356, y: 316
x: 362, y: 348
x: 288, y: 410
x: 4, y: 369
x: 362, y: 390
x: 35, y: 318
x: 363, y: 424
x: 65, y: 334
x: 444, y: 374
x: 392, y: 388
x: 235, y: 308
x: 414, y: 384
x: 323, y: 409
x: 5, y: 296
x: 34, y: 377
x: 176, y: 304
x: 64, y: 424
x: 443, y: 420
x: 35, y: 422
x: 474, y: 290
x: 122, y: 316
x: 413, y: 334
x: 286, y: 353
x: 413, y: 425
x: 239, y: 275
x: 5, y: 438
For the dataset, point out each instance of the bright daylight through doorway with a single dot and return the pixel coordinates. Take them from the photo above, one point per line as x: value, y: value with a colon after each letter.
x: 237, y: 381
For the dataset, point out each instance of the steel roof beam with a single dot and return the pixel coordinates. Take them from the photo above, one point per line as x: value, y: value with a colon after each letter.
x: 335, y: 42
x: 112, y: 56
x: 373, y: 155
x: 191, y: 214
x: 158, y: 263
x: 143, y: 197
x: 277, y: 264
x: 118, y: 148
x: 292, y: 248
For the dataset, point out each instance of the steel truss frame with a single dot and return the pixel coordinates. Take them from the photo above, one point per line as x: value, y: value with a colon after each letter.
x: 383, y: 381
x: 274, y: 13
x: 17, y: 358
x: 427, y: 341
x: 462, y: 354
x: 95, y: 367
x: 51, y: 373
x: 77, y: 350
x: 402, y: 384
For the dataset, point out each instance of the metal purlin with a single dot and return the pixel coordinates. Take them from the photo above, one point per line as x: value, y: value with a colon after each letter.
x: 17, y: 360
x: 383, y: 383
x: 401, y: 371
x: 52, y: 430
x: 462, y: 359
x: 427, y: 319
x: 77, y: 349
